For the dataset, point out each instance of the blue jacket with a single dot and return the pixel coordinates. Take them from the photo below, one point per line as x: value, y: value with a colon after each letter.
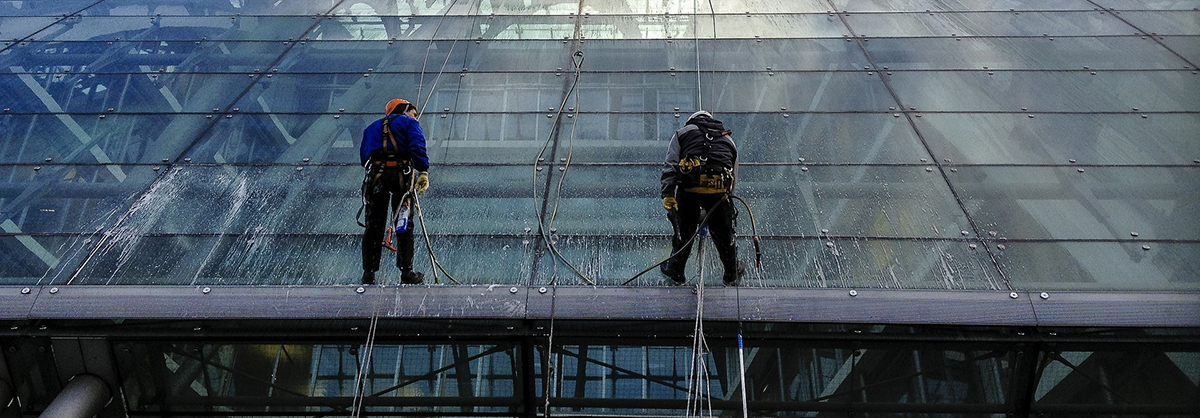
x: 408, y: 135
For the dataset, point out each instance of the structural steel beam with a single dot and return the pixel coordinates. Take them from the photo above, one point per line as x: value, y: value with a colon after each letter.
x: 83, y: 397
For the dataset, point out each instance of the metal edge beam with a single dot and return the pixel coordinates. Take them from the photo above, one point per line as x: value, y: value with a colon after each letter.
x: 878, y: 306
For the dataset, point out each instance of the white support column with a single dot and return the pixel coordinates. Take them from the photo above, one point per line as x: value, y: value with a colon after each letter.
x: 83, y: 397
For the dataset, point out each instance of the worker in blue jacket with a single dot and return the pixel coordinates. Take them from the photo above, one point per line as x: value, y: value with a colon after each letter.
x: 393, y: 154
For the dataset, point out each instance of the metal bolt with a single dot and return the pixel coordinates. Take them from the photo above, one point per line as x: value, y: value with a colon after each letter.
x: 853, y: 293
x: 512, y: 289
x: 53, y: 290
x: 542, y: 290
x: 1080, y: 170
x: 803, y: 168
x: 1146, y: 248
x: 1072, y: 161
x: 360, y: 290
x: 306, y: 159
x: 965, y: 233
x: 824, y: 231
x: 25, y: 291
x: 205, y: 290
x: 829, y: 244
x: 1000, y: 247
x: 1013, y: 295
x: 971, y: 246
x: 1133, y: 234
x: 1045, y: 295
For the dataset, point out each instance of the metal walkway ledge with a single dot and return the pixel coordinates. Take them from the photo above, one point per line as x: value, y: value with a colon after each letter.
x: 876, y: 306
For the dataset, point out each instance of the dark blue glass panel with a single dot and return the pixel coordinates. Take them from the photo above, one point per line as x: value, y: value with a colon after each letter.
x: 39, y: 259
x: 177, y: 27
x: 58, y: 198
x: 14, y: 29
x: 143, y: 56
x: 150, y: 92
x: 103, y: 138
x: 29, y: 8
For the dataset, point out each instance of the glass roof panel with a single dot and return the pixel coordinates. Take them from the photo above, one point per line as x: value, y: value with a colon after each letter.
x: 54, y: 198
x: 1165, y: 22
x: 96, y: 93
x: 176, y: 28
x: 1188, y: 47
x: 1100, y: 266
x: 91, y: 138
x: 712, y: 26
x: 206, y: 7
x: 144, y: 56
x: 874, y: 201
x: 423, y: 8
x: 38, y: 259
x: 1098, y: 53
x: 764, y: 55
x: 430, y: 57
x: 987, y: 24
x: 1049, y: 91
x: 1060, y: 138
x: 1150, y: 4
x: 761, y: 137
x: 18, y: 28
x: 787, y: 262
x: 311, y: 259
x: 1108, y: 203
x: 762, y: 6
x: 734, y: 92
x: 958, y: 5
x: 28, y: 8
x: 509, y: 27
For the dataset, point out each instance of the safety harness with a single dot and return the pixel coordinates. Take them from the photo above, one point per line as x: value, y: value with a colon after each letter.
x: 702, y: 174
x: 383, y: 159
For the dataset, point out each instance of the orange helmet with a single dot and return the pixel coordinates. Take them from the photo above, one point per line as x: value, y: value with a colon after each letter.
x: 392, y: 104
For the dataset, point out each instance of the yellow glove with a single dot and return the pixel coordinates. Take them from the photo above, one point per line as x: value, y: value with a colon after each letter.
x: 422, y: 182
x: 669, y: 203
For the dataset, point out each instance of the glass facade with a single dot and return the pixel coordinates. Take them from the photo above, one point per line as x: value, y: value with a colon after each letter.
x: 914, y: 145
x: 190, y: 142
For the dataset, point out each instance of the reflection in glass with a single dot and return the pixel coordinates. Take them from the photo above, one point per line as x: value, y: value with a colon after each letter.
x: 1038, y: 91
x: 1062, y: 138
x: 1101, y: 266
x: 1070, y: 53
x: 1082, y: 203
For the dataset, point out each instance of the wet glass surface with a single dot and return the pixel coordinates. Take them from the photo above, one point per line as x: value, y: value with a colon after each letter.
x: 195, y: 142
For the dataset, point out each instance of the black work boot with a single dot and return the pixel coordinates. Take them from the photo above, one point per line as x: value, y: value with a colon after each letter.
x: 412, y: 277
x: 732, y: 278
x: 368, y: 277
x: 676, y: 276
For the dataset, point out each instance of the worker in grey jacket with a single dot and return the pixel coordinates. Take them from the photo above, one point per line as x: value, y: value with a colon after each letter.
x: 698, y: 176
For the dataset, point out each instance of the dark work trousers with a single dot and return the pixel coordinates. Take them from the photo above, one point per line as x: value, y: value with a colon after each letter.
x: 389, y: 187
x: 720, y: 224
